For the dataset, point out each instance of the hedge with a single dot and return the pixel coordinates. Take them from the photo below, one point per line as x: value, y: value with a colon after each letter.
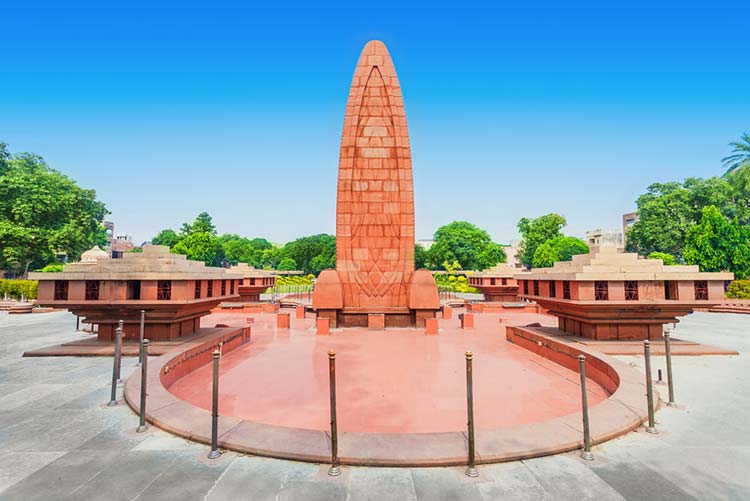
x: 15, y: 288
x: 739, y: 289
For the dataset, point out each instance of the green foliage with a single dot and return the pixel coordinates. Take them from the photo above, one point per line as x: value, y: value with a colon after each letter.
x: 668, y: 259
x: 560, y: 248
x: 52, y: 268
x: 740, y: 157
x: 421, y: 256
x: 739, y: 289
x: 166, y: 237
x: 287, y: 264
x: 470, y: 246
x: 450, y: 282
x: 535, y: 232
x: 15, y: 288
x: 716, y: 244
x: 667, y: 210
x: 312, y: 254
x: 42, y: 212
x: 295, y: 279
x: 202, y: 224
x: 201, y: 246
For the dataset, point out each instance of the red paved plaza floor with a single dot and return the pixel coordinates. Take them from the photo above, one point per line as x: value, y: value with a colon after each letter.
x: 397, y: 381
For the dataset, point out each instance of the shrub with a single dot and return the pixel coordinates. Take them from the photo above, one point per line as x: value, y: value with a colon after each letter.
x: 16, y: 288
x: 668, y: 259
x: 739, y: 289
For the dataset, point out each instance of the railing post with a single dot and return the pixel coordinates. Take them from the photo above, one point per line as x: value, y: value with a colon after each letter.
x: 144, y: 379
x: 118, y: 349
x: 670, y: 382
x: 586, y: 452
x: 115, y: 370
x: 335, y: 469
x: 651, y: 428
x: 140, y: 335
x: 471, y: 470
x: 215, y: 410
x: 78, y: 323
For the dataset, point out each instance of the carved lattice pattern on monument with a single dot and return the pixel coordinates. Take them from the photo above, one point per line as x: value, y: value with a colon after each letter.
x: 197, y: 293
x: 701, y: 290
x: 61, y: 290
x: 92, y: 290
x: 601, y: 290
x: 163, y: 290
x: 552, y: 288
x: 631, y: 290
x: 566, y: 289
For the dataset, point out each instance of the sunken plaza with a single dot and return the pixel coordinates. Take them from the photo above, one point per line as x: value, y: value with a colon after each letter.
x: 154, y: 376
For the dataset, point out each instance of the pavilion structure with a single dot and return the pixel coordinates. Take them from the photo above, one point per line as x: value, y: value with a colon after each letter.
x: 497, y: 284
x: 610, y: 295
x: 174, y: 291
x: 253, y: 283
x: 375, y: 283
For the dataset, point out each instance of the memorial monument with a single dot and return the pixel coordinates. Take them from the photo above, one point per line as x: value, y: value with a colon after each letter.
x: 375, y: 283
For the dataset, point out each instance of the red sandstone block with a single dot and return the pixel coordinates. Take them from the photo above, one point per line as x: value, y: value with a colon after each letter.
x: 467, y: 320
x: 282, y: 320
x: 376, y: 321
x: 299, y: 311
x: 431, y: 326
x: 447, y: 312
x: 323, y: 326
x: 250, y: 320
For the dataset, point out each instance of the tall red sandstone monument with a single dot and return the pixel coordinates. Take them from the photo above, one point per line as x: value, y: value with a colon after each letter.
x: 375, y: 282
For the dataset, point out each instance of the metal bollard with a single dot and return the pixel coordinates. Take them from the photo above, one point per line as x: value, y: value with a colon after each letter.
x: 115, y: 375
x: 118, y: 349
x: 144, y: 379
x: 78, y: 323
x: 140, y: 336
x: 670, y: 382
x: 649, y: 388
x: 335, y: 469
x: 215, y: 411
x: 586, y: 452
x: 471, y: 471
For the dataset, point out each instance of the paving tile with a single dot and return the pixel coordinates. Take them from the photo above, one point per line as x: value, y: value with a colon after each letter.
x: 376, y: 484
x: 186, y: 478
x: 258, y: 478
x: 564, y: 477
x: 124, y: 479
x: 15, y: 466
x: 444, y: 484
x: 510, y: 481
x: 61, y: 477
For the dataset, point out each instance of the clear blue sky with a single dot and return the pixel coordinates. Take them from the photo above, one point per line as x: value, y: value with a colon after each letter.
x: 236, y: 108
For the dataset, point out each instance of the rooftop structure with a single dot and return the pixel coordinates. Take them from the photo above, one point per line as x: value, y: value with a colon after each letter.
x: 174, y: 291
x: 611, y: 295
x: 375, y: 209
x: 254, y: 281
x: 498, y: 284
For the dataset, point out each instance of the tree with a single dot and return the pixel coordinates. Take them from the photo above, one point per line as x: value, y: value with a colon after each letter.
x: 535, y: 232
x: 667, y: 210
x: 560, y: 248
x: 740, y: 156
x: 201, y: 246
x: 716, y: 244
x: 471, y: 246
x: 237, y: 249
x: 42, y: 213
x: 421, y: 256
x: 202, y: 224
x: 305, y: 250
x: 166, y: 237
x: 667, y: 259
x: 287, y: 264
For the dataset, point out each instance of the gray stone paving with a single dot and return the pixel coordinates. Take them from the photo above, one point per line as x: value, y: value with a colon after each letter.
x: 60, y: 441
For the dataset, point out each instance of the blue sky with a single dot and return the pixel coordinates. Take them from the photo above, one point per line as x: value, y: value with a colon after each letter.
x: 236, y: 109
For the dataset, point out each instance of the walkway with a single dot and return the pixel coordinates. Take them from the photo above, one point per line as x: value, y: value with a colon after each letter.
x: 60, y: 441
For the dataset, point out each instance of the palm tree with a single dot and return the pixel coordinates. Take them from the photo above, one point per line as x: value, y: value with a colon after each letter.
x: 740, y: 157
